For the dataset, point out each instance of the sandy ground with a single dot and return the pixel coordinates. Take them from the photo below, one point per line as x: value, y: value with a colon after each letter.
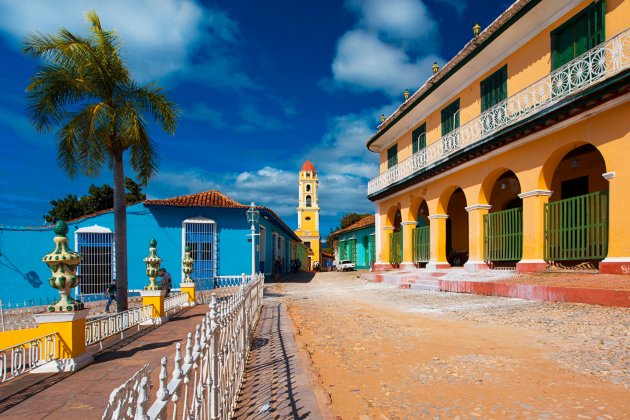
x: 379, y: 352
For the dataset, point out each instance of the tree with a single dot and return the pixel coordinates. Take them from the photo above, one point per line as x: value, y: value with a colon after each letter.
x: 97, y: 199
x: 83, y: 87
x: 351, y: 218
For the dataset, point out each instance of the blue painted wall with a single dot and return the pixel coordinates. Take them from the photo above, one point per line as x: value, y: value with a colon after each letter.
x: 24, y: 277
x: 362, y: 238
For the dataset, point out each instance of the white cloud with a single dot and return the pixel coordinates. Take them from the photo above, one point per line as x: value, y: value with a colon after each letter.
x: 391, y: 48
x: 161, y: 38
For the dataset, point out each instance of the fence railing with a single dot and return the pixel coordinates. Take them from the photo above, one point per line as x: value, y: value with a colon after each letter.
x: 99, y: 329
x: 595, y: 65
x: 421, y: 248
x: 123, y: 401
x: 26, y: 356
x: 503, y: 235
x: 577, y: 228
x: 205, y: 382
x: 177, y: 300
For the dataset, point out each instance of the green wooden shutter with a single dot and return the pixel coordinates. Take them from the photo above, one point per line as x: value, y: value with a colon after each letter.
x: 494, y: 89
x: 450, y: 117
x: 419, y: 138
x: 392, y: 156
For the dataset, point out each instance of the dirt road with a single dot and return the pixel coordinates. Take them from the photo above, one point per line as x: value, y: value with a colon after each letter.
x: 385, y: 353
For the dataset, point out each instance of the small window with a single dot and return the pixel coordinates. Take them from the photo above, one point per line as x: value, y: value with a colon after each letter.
x: 419, y: 138
x: 308, y: 219
x: 307, y: 244
x: 450, y: 117
x: 392, y: 156
x: 308, y: 201
x: 308, y: 187
x: 494, y: 89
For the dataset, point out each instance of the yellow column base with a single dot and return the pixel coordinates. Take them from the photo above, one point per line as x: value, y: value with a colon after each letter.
x: 71, y: 350
x: 155, y: 298
x: 189, y: 288
x: 476, y: 237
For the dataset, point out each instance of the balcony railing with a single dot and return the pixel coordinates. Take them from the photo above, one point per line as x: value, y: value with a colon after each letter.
x: 592, y: 67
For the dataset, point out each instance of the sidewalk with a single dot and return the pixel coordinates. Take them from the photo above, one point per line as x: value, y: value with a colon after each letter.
x: 277, y: 385
x: 84, y: 394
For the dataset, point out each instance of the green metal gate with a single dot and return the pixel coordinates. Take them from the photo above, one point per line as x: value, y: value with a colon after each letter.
x: 577, y: 228
x: 395, y: 247
x: 372, y: 246
x: 503, y: 235
x: 343, y: 251
x: 352, y: 243
x: 420, y: 244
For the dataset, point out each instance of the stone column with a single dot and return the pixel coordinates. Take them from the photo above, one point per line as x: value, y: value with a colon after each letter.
x: 618, y: 259
x: 533, y: 231
x: 476, y: 237
x: 407, y: 257
x: 437, y: 223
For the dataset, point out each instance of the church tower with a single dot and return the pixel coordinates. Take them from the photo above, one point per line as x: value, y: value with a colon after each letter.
x: 308, y: 211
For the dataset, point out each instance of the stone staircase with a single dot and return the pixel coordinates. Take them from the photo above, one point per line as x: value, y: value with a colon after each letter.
x: 416, y: 279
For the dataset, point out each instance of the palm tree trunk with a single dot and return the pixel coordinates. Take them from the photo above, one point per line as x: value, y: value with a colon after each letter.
x: 120, y: 228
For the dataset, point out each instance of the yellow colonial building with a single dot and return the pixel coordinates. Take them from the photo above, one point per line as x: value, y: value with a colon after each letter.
x: 308, y: 212
x: 512, y: 154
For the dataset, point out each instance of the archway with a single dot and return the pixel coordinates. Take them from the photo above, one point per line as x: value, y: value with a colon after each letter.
x: 503, y: 225
x: 457, y: 229
x: 576, y: 217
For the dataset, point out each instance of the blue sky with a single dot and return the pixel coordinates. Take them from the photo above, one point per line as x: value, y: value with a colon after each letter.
x: 262, y: 86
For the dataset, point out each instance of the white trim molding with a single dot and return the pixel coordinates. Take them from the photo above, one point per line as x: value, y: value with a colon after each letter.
x: 608, y: 175
x: 388, y: 227
x: 407, y: 223
x: 535, y: 193
x: 101, y: 229
x: 478, y: 207
x: 437, y: 216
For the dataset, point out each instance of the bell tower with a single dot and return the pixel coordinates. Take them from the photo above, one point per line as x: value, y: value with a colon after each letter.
x: 308, y: 210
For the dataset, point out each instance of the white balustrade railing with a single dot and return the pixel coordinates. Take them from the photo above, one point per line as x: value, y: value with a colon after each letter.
x: 124, y: 399
x: 205, y: 382
x: 592, y: 67
x: 99, y: 329
x: 26, y: 356
x: 177, y: 300
x: 231, y: 281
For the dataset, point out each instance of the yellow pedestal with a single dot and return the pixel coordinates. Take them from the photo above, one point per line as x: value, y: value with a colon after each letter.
x: 155, y: 298
x: 70, y: 328
x: 189, y: 288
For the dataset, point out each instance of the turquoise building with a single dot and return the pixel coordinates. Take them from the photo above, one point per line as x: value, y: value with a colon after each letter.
x: 212, y: 224
x: 356, y: 243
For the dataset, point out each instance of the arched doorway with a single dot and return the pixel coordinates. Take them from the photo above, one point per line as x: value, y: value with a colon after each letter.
x: 420, y: 236
x: 576, y: 217
x: 457, y: 229
x: 503, y: 225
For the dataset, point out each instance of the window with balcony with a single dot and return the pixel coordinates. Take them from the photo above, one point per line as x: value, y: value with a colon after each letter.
x: 494, y: 89
x: 581, y: 33
x: 392, y: 156
x: 450, y: 117
x: 419, y: 138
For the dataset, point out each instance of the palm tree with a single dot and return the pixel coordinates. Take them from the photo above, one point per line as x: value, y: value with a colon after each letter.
x: 83, y: 87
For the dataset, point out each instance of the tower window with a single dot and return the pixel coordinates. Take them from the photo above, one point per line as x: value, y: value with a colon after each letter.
x: 308, y: 219
x: 308, y: 187
x: 308, y: 201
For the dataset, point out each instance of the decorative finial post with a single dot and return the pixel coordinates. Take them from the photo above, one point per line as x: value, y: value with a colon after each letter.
x: 406, y: 94
x: 476, y: 29
x: 63, y: 264
x: 382, y: 118
x: 435, y: 67
x: 187, y: 265
x: 153, y: 266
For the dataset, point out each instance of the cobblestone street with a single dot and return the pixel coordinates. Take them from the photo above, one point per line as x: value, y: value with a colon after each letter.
x: 386, y: 353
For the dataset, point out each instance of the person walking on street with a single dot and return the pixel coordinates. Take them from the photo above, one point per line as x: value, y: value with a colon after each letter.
x: 329, y: 263
x: 276, y: 270
x: 166, y: 280
x: 111, y: 295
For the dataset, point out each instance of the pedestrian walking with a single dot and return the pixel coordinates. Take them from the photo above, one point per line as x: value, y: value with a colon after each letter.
x: 166, y: 280
x: 329, y: 263
x: 276, y: 270
x: 111, y: 295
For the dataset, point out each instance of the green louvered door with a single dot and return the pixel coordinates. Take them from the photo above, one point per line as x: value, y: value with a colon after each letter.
x: 503, y: 235
x: 395, y: 248
x: 420, y: 244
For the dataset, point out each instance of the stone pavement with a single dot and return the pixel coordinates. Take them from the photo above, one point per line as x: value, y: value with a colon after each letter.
x: 277, y: 383
x: 84, y: 394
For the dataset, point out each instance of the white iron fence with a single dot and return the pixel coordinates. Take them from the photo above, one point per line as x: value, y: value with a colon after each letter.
x: 124, y: 399
x: 595, y: 65
x: 99, y: 329
x: 177, y: 300
x: 222, y: 287
x: 205, y: 383
x: 26, y: 356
